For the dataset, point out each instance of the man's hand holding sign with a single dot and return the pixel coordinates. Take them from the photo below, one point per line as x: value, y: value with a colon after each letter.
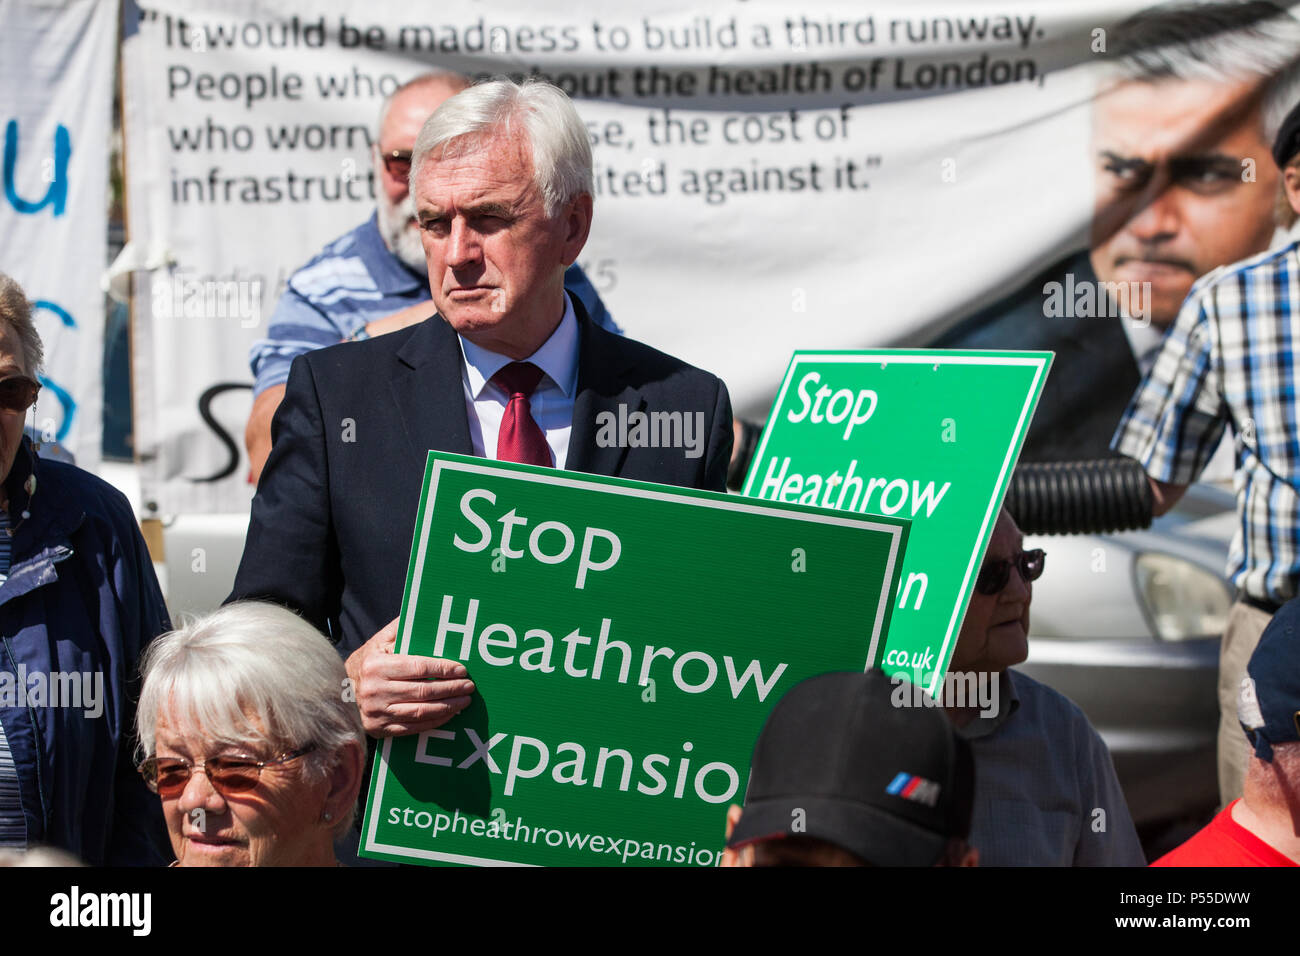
x: 405, y: 693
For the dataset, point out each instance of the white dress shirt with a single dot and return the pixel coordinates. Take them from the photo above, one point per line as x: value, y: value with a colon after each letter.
x: 551, y: 402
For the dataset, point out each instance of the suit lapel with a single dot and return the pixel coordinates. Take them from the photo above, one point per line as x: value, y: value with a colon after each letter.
x: 601, y: 389
x: 430, y: 399
x: 427, y: 390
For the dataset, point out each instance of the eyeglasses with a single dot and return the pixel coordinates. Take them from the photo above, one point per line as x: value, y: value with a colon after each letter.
x: 398, y: 163
x: 997, y: 571
x: 168, y: 776
x: 18, y: 393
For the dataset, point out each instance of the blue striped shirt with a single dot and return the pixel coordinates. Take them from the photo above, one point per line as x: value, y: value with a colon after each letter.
x: 1229, y: 360
x: 353, y: 281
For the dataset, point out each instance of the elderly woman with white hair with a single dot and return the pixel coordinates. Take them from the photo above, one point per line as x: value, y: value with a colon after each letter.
x: 251, y: 739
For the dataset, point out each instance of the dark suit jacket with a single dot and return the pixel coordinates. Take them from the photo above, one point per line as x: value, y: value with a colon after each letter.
x: 331, y: 525
x: 1093, y: 376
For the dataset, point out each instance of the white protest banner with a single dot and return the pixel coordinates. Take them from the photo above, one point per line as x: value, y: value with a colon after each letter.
x: 56, y: 87
x: 769, y: 175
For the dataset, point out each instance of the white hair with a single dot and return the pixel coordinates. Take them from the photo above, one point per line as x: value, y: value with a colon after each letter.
x: 251, y: 660
x: 561, y: 151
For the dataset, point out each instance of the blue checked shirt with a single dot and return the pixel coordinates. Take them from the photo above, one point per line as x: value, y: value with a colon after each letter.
x: 1230, y: 358
x: 355, y: 280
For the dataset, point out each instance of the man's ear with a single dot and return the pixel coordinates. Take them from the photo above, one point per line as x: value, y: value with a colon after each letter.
x: 732, y: 857
x: 1291, y: 183
x: 576, y: 217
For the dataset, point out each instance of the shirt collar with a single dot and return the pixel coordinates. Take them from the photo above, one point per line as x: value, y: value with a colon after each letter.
x: 1008, y: 704
x: 392, y: 276
x: 1145, y: 341
x: 557, y: 358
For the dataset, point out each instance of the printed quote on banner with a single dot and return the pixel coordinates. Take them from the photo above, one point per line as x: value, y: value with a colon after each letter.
x: 738, y: 150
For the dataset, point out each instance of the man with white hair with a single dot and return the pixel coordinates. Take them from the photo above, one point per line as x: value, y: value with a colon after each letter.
x: 371, y: 280
x: 510, y: 368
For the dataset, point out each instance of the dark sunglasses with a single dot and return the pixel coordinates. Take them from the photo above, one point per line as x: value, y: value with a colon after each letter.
x: 398, y: 163
x: 168, y: 776
x: 997, y: 571
x: 18, y: 393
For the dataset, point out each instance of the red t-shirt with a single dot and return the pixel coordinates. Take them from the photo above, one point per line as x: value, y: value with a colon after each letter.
x: 1224, y: 842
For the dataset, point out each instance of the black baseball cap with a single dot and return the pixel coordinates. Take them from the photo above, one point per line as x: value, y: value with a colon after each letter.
x: 839, y: 761
x: 1268, y: 705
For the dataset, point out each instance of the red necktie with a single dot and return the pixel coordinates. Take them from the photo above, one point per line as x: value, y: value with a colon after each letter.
x: 520, y: 438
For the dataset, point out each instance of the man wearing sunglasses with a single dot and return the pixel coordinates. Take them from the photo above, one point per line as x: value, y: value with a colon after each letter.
x: 372, y: 280
x: 1046, y: 793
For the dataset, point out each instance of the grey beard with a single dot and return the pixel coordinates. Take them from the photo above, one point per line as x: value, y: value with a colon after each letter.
x: 399, y: 234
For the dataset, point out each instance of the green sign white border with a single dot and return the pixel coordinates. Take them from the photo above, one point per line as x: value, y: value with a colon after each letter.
x: 935, y: 357
x: 569, y: 479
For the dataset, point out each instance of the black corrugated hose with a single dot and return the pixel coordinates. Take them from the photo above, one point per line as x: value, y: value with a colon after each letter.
x: 1080, y: 497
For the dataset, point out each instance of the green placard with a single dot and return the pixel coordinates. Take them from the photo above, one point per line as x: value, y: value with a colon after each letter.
x: 627, y: 641
x: 931, y: 435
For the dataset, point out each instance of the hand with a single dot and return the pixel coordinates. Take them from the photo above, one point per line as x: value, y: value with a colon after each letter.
x: 1164, y: 495
x: 401, y: 694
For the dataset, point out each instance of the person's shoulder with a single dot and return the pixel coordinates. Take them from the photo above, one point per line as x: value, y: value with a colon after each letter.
x: 348, y: 358
x: 1062, y: 718
x: 1218, y: 843
x: 649, y: 362
x: 1016, y: 320
x: 80, y: 490
x: 338, y: 263
x: 1260, y: 267
x: 1047, y: 701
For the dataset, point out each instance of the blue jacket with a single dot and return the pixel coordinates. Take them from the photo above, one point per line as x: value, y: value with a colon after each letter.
x: 81, y: 598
